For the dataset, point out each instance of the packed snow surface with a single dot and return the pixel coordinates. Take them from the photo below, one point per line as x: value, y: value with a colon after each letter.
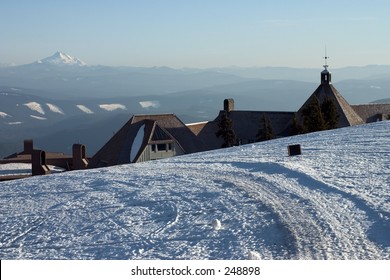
x: 22, y: 169
x: 332, y: 202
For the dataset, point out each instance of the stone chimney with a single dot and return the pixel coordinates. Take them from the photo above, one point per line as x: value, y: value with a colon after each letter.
x: 228, y: 105
x: 28, y: 146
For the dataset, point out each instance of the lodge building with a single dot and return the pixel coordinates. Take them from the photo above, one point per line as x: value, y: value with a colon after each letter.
x: 150, y: 137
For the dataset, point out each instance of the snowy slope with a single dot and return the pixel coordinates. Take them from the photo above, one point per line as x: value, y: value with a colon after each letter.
x: 333, y: 202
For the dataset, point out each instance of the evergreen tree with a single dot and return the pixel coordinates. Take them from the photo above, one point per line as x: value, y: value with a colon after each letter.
x: 329, y: 113
x: 226, y: 131
x: 296, y: 128
x: 265, y: 131
x: 312, y: 117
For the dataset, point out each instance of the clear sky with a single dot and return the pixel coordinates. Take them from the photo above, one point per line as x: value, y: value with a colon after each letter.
x: 197, y: 33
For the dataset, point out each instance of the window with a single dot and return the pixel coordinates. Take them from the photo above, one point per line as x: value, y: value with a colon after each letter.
x: 161, y: 147
x: 164, y: 147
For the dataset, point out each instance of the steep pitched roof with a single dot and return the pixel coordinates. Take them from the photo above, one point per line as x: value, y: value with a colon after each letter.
x: 205, y: 133
x: 156, y: 127
x: 172, y: 124
x: 113, y: 151
x: 347, y: 115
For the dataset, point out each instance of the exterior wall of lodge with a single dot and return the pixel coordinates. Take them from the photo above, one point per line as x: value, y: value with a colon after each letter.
x: 160, y: 150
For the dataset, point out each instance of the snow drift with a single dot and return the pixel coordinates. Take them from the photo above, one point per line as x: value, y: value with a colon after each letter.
x: 332, y: 202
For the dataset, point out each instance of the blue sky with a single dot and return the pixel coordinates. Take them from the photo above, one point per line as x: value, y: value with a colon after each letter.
x: 201, y: 33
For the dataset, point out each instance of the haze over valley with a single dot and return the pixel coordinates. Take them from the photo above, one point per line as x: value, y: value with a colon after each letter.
x: 60, y: 100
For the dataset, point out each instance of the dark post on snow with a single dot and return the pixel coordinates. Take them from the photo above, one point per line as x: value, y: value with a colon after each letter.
x: 38, y: 160
x: 294, y: 150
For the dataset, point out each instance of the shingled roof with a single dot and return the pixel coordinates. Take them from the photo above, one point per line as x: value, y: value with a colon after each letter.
x: 118, y: 149
x: 373, y: 112
x: 139, y: 139
x: 347, y: 115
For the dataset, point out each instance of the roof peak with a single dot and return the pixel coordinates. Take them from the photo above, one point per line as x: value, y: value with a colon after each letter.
x: 325, y: 74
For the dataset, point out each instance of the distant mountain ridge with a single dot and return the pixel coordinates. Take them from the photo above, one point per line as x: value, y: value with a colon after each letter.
x: 95, y: 81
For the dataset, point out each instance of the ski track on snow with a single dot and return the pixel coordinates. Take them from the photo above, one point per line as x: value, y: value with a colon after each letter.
x: 330, y: 203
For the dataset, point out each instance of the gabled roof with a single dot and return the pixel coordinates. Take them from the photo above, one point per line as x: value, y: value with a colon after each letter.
x: 152, y: 133
x: 205, y: 133
x: 159, y: 134
x: 347, y: 115
x: 156, y: 128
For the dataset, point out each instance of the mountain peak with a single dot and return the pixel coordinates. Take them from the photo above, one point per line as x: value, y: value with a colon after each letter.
x: 60, y: 58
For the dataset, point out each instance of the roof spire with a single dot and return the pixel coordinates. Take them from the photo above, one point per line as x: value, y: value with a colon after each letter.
x: 325, y: 74
x: 326, y: 60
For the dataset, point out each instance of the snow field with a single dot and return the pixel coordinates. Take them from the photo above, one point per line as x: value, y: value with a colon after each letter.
x: 332, y: 202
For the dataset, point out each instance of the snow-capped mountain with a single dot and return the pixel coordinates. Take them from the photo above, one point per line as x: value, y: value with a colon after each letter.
x: 60, y: 58
x: 331, y: 202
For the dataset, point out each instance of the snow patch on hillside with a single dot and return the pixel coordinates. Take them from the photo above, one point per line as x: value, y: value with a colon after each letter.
x: 14, y: 123
x: 38, y: 118
x: 35, y: 106
x: 55, y: 108
x: 112, y: 107
x: 85, y: 109
x: 150, y: 104
x: 4, y: 115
